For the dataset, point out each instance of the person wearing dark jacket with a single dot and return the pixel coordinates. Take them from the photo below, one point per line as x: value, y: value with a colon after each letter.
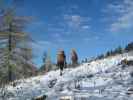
x: 61, y: 60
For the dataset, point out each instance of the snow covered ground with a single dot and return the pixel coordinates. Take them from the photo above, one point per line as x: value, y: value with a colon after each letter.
x: 99, y: 80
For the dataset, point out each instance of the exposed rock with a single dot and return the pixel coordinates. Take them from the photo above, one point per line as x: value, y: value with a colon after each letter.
x: 41, y: 97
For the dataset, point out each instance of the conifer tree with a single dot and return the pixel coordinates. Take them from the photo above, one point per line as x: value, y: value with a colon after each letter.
x: 11, y: 31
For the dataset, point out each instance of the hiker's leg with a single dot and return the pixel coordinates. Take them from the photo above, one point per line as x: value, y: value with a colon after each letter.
x: 61, y: 68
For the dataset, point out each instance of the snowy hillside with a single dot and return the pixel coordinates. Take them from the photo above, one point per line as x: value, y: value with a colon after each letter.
x: 104, y: 79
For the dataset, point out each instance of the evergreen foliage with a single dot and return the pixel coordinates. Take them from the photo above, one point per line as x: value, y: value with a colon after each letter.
x: 14, y: 47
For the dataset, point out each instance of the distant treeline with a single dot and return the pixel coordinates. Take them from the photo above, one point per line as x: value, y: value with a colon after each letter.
x: 118, y: 50
x: 48, y: 65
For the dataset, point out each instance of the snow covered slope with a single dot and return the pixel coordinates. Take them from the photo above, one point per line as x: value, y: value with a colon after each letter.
x: 103, y: 79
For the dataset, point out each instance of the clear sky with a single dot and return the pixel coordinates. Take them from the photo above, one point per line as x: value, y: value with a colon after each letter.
x: 90, y: 26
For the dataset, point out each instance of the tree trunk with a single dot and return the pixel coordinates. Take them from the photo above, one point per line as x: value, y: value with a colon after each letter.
x: 9, y: 50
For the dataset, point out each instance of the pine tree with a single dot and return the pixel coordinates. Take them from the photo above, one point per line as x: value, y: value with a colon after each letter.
x: 108, y: 53
x: 47, y: 65
x: 118, y: 50
x: 11, y: 27
x: 100, y: 56
x: 129, y: 47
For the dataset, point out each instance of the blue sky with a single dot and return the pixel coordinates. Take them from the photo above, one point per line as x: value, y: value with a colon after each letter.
x: 90, y: 26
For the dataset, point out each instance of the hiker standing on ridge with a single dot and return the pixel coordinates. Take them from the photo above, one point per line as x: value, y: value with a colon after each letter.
x: 61, y: 60
x: 74, y: 57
